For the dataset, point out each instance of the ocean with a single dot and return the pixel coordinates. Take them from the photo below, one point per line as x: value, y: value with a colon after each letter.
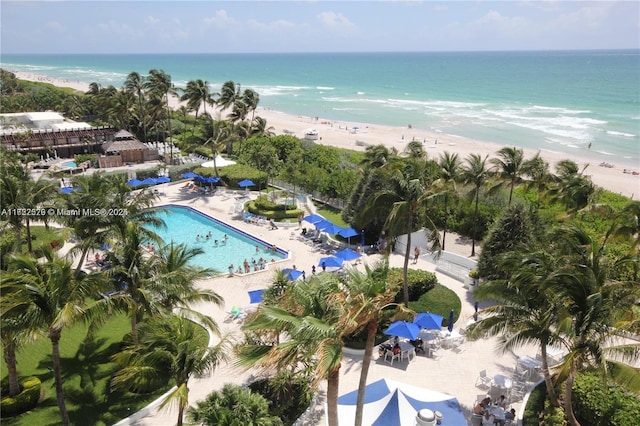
x: 584, y: 103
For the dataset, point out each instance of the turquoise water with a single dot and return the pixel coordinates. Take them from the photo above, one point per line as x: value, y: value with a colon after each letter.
x: 185, y: 224
x: 558, y: 101
x: 70, y: 164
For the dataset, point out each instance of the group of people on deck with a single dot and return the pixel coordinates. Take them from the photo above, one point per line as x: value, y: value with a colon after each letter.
x: 483, y: 408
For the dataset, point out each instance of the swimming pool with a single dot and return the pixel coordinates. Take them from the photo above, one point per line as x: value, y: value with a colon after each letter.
x: 70, y: 164
x: 184, y: 224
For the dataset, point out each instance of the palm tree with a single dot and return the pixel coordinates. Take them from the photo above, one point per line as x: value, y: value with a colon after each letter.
x: 169, y: 347
x: 197, y: 94
x: 259, y: 127
x: 368, y: 294
x: 629, y: 227
x: 135, y: 84
x: 537, y: 169
x: 476, y: 174
x: 510, y: 167
x: 15, y: 332
x: 159, y: 84
x: 251, y: 99
x: 50, y: 298
x: 408, y: 197
x: 216, y: 133
x: 229, y: 94
x: 573, y: 188
x: 449, y: 173
x: 233, y: 405
x: 523, y: 311
x: 311, y: 317
x: 595, y: 309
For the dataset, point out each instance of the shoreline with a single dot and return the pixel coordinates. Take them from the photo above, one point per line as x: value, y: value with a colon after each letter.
x: 357, y: 135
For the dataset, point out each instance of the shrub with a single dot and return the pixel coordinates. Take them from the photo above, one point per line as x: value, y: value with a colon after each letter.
x: 26, y: 400
x: 289, y: 395
x: 274, y: 214
x: 600, y: 404
x: 420, y: 282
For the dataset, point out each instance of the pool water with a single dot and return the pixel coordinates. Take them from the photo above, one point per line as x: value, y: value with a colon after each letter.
x: 70, y: 164
x: 184, y: 224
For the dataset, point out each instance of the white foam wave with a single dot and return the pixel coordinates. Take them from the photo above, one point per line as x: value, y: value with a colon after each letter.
x: 325, y: 88
x: 557, y: 110
x: 360, y: 93
x: 605, y: 153
x: 279, y: 90
x: 613, y: 132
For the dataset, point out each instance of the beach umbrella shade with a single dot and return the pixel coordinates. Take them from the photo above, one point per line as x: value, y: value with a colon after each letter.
x: 313, y: 218
x: 348, y: 254
x: 199, y: 179
x: 66, y: 190
x: 428, y: 320
x: 329, y: 228
x: 405, y: 329
x: 163, y: 179
x: 189, y: 175
x: 387, y: 402
x: 149, y: 181
x: 348, y: 233
x: 331, y: 262
x: 134, y: 182
x: 292, y: 274
x: 256, y: 296
x: 245, y: 183
x: 450, y: 326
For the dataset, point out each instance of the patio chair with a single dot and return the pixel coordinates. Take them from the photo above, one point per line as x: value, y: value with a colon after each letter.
x: 389, y: 356
x: 483, y: 380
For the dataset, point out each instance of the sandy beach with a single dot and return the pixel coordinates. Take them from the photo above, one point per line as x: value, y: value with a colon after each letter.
x: 357, y: 135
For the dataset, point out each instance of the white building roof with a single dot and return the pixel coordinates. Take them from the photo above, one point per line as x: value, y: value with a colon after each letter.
x: 44, y: 116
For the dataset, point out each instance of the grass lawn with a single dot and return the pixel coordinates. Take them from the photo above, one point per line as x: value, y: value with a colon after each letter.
x: 334, y: 215
x: 86, y: 371
x: 439, y: 300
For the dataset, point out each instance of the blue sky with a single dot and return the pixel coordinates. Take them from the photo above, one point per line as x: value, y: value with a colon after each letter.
x: 60, y: 26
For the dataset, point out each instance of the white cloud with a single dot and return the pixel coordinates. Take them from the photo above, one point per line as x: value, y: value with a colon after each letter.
x: 54, y: 26
x: 333, y: 19
x: 221, y: 19
x: 591, y: 16
x: 151, y: 20
x: 270, y: 26
x: 495, y: 22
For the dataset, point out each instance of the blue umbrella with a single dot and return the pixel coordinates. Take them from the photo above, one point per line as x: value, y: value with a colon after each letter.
x: 347, y: 254
x: 450, y: 326
x: 329, y: 228
x: 429, y: 321
x: 189, y: 175
x: 331, y: 262
x: 66, y: 190
x: 292, y: 274
x: 134, y: 182
x: 246, y: 183
x: 149, y: 181
x: 313, y: 218
x: 163, y: 179
x: 404, y: 329
x: 256, y: 296
x: 348, y: 232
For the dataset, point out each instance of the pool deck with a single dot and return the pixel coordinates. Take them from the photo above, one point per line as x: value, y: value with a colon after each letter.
x: 454, y: 371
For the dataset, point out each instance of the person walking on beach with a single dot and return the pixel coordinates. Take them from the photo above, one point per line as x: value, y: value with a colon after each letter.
x: 300, y: 221
x: 416, y: 254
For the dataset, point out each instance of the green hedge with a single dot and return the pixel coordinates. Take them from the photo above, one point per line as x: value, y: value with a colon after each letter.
x: 26, y: 400
x: 233, y: 174
x: 274, y: 214
x: 420, y: 282
x: 603, y: 404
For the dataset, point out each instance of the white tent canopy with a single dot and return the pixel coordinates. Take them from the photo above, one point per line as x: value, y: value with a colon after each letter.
x: 220, y: 162
x: 391, y: 403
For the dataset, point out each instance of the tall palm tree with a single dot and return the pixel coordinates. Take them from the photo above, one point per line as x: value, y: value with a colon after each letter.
x: 368, y: 294
x: 259, y: 127
x: 169, y: 347
x: 537, y: 169
x: 312, y: 319
x: 594, y: 309
x: 524, y: 311
x: 450, y: 169
x: 159, y: 84
x: 573, y: 188
x: 216, y: 134
x: 251, y: 99
x: 510, y: 163
x: 408, y: 196
x: 135, y: 83
x: 198, y: 95
x: 475, y: 174
x: 50, y: 298
x: 15, y: 332
x: 229, y: 94
x: 629, y: 227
